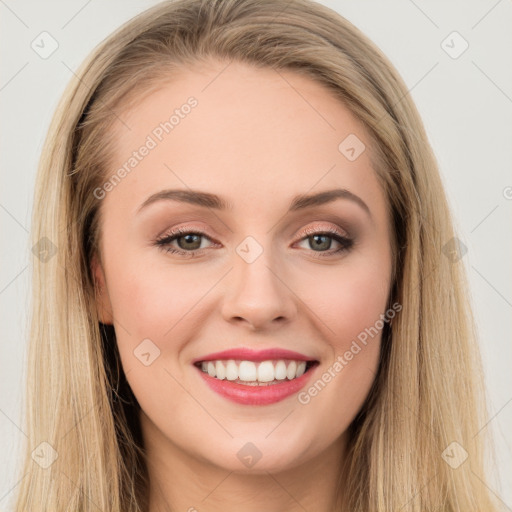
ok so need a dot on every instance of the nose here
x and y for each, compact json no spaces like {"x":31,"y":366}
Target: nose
{"x":258,"y":296}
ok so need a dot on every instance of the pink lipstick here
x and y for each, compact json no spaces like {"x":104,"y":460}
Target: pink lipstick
{"x":250,"y":377}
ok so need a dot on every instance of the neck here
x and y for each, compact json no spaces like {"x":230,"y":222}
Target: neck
{"x":181,"y":481}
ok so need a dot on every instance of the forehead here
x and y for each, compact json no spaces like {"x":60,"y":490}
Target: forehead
{"x":226,"y":126}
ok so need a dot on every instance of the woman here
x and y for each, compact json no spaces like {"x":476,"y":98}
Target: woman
{"x":250,"y":305}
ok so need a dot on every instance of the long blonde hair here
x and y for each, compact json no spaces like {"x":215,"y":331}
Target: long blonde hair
{"x":428,"y":391}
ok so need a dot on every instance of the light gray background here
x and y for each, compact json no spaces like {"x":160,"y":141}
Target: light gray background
{"x":466,"y":105}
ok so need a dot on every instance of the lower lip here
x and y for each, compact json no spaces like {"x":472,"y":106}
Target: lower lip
{"x":257,"y":395}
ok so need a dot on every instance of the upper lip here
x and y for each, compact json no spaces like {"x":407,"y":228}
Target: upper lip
{"x":248,"y":354}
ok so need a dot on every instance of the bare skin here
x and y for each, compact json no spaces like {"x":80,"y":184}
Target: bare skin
{"x":254,"y":141}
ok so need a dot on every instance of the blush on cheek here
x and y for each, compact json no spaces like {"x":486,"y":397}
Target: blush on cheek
{"x":347,"y":307}
{"x":161,"y":304}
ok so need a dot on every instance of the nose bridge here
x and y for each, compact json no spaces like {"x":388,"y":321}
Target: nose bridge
{"x":257,"y":293}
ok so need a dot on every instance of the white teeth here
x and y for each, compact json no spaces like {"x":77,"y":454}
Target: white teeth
{"x":231,"y":370}
{"x":220,"y":370}
{"x":301,"y":368}
{"x":280,"y":370}
{"x":292,"y":370}
{"x":247,"y":371}
{"x":265,"y":371}
{"x":251,"y":372}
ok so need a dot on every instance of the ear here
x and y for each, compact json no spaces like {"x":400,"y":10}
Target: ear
{"x":103,"y":305}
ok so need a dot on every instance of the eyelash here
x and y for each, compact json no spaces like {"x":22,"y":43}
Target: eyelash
{"x":164,"y":242}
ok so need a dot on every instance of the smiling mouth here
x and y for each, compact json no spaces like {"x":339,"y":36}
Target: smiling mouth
{"x":251,"y":373}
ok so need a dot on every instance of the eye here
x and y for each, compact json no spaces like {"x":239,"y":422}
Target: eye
{"x":320,"y":241}
{"x":189,"y":242}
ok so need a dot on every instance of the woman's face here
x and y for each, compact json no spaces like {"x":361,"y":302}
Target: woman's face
{"x":229,"y":155}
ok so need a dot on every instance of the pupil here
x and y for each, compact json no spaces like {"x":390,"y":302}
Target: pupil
{"x":190,"y":239}
{"x":325,"y":245}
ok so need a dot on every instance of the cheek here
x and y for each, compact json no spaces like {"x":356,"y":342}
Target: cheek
{"x":166,"y":305}
{"x":160,"y":304}
{"x":347,"y":300}
{"x":150,"y":300}
{"x":350,"y":307}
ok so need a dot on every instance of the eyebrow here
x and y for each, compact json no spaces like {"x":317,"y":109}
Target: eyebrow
{"x":214,"y":201}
